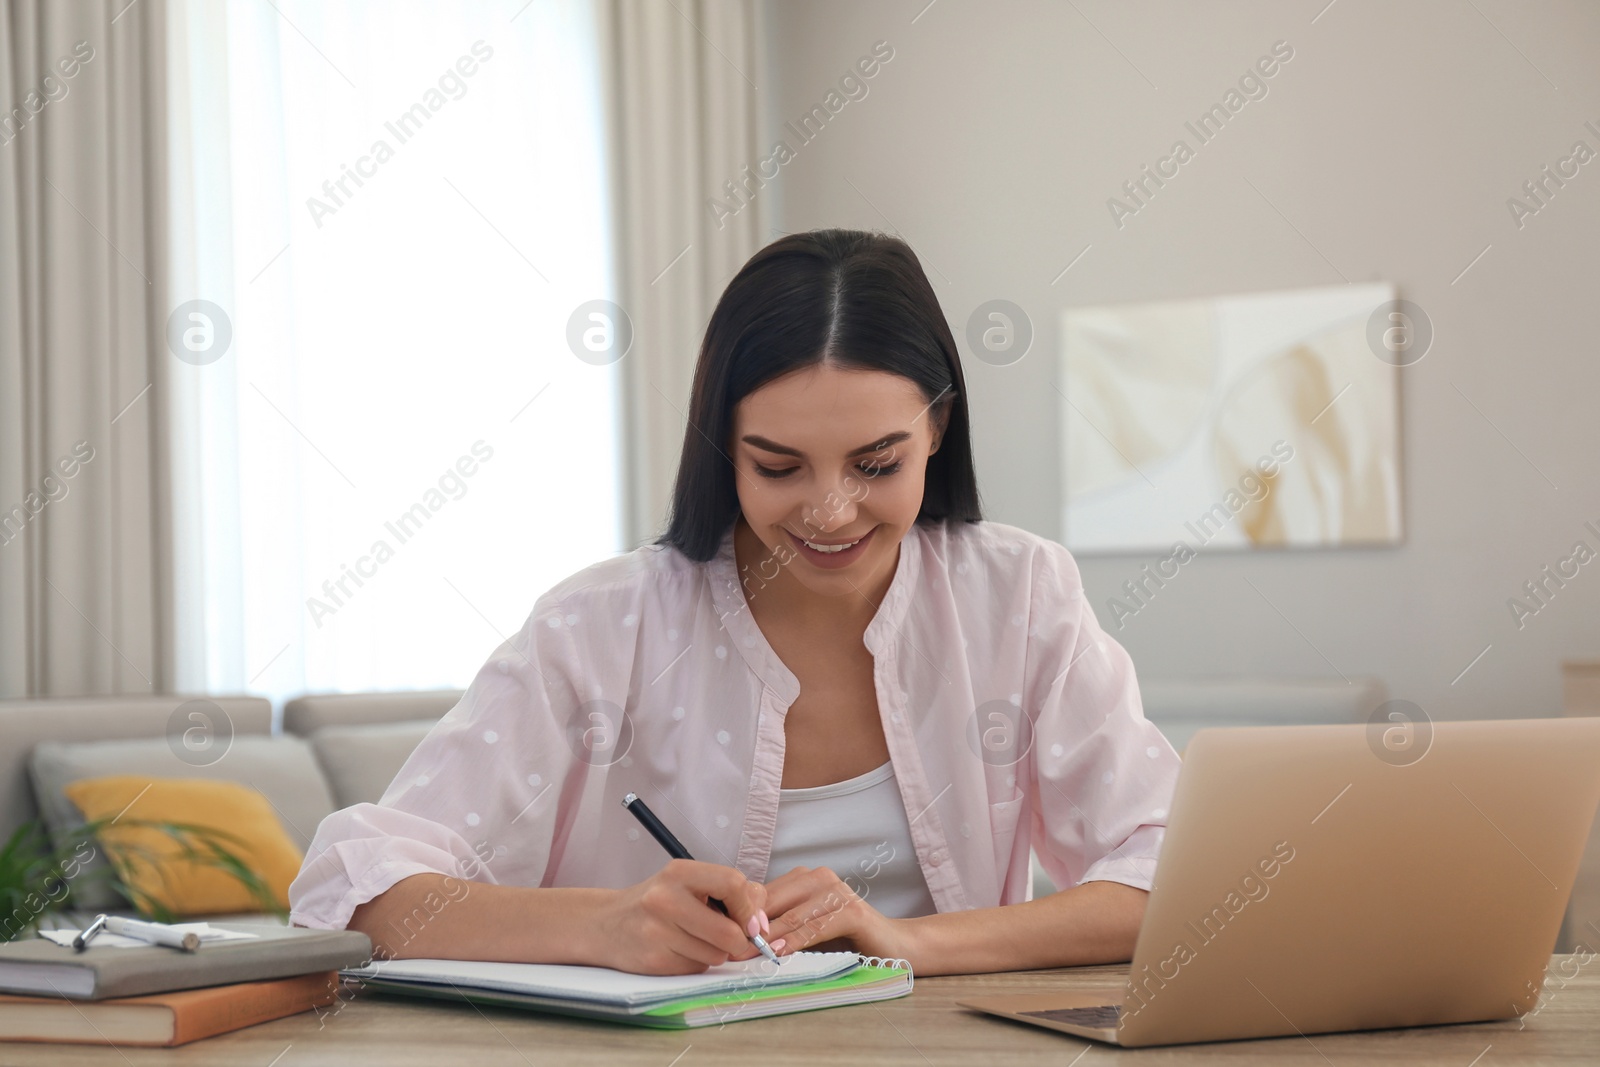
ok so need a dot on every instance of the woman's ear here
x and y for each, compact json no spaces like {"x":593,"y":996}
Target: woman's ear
{"x":941,"y":421}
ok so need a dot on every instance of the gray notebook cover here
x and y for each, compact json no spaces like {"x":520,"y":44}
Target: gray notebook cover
{"x":40,"y":967}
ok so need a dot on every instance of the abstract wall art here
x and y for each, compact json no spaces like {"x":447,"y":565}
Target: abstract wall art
{"x":1248,"y":421}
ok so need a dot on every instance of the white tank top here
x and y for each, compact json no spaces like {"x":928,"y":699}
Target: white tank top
{"x":858,"y":828}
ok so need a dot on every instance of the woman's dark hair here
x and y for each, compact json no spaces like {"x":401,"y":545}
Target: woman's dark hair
{"x":853,"y":298}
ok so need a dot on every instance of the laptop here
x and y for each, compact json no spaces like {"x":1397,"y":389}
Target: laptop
{"x":1324,"y":878}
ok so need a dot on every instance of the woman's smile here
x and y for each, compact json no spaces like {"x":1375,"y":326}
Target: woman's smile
{"x":841,"y":553}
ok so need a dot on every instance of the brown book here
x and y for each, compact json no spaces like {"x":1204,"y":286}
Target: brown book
{"x":164,"y":1019}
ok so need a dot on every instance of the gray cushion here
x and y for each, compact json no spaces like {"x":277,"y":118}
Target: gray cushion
{"x":361,"y":761}
{"x":25,"y":723}
{"x":306,"y":715}
{"x":283,"y":769}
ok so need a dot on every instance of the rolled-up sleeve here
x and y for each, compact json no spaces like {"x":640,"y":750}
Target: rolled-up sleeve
{"x":1104,"y":774}
{"x":496,"y":759}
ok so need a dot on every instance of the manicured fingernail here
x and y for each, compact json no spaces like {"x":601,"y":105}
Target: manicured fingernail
{"x":753,"y":927}
{"x":777,"y":946}
{"x":766,"y":925}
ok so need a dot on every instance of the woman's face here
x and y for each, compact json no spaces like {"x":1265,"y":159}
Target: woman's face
{"x":830,"y":456}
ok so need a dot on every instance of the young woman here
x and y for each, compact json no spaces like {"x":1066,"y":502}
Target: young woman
{"x":859,"y":705}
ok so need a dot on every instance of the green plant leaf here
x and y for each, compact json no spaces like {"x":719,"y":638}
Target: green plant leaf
{"x":32,"y":882}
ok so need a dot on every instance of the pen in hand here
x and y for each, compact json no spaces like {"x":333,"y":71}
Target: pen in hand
{"x":675,"y":849}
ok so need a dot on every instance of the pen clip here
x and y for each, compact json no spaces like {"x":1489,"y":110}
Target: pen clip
{"x":85,"y":935}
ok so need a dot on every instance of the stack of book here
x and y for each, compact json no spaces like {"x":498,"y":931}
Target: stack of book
{"x":160,"y":996}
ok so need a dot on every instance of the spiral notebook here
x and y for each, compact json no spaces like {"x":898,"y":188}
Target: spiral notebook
{"x":748,"y":989}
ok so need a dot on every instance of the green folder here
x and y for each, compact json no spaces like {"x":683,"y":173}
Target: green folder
{"x":864,"y":984}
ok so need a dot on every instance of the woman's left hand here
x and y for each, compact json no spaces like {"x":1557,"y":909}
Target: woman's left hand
{"x":809,"y":906}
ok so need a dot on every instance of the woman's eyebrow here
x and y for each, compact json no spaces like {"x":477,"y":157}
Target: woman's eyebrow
{"x":881,"y":443}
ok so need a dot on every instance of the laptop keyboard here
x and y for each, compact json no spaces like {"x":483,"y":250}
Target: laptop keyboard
{"x":1100,"y":1016}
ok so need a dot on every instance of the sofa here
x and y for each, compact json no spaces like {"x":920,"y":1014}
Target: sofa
{"x":335,"y":750}
{"x":332,"y":751}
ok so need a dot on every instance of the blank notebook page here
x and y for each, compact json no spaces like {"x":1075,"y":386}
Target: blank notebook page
{"x":603,"y":985}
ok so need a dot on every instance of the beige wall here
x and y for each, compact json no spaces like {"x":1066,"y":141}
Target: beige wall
{"x":1390,"y":144}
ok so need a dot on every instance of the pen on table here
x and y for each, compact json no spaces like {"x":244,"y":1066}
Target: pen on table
{"x":154,"y":933}
{"x":675,"y":849}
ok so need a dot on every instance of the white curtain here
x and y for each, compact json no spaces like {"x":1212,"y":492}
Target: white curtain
{"x":342,"y":350}
{"x":684,"y":80}
{"x":82,"y":368}
{"x":398,"y":208}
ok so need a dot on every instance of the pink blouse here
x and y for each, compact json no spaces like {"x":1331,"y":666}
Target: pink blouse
{"x":1004,"y":705}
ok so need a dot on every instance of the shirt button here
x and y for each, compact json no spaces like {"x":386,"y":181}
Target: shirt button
{"x":936,"y":859}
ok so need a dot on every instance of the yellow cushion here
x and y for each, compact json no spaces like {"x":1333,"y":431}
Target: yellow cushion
{"x":150,"y":859}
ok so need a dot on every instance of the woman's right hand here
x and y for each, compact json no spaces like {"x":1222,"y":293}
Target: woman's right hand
{"x":663,"y":925}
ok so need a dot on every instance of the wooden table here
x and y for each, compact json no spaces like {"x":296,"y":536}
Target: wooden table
{"x":924,"y":1028}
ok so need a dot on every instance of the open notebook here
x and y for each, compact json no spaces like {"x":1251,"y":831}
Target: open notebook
{"x":747,"y":989}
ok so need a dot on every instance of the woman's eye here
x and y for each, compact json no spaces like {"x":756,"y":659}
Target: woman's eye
{"x":871,"y":470}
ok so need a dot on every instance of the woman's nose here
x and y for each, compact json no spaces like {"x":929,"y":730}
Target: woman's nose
{"x":832,"y":506}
